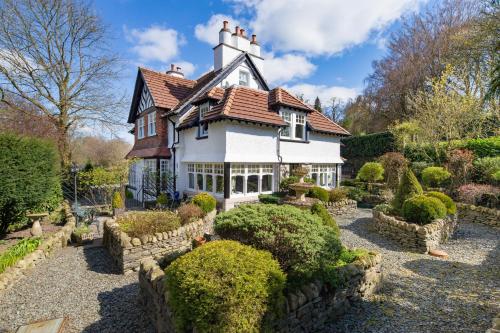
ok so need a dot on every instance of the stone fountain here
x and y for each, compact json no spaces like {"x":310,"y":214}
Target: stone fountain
{"x":300,"y":189}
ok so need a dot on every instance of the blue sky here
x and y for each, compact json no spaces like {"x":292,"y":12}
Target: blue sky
{"x":317,"y":47}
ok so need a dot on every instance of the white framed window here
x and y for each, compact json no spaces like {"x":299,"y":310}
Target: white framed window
{"x":140,"y":128}
{"x":324,"y":175}
{"x":132,"y":175}
{"x":152,"y":124}
{"x":191,"y":176}
{"x":150,"y":166}
{"x":296,"y":126}
{"x":244,"y":78}
{"x":300,"y":127}
{"x":251,"y":179}
{"x":203,"y":128}
{"x":286,"y":131}
{"x":207,"y":177}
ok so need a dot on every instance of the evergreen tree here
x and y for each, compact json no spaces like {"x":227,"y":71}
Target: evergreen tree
{"x":317,"y":105}
{"x":408,"y":187}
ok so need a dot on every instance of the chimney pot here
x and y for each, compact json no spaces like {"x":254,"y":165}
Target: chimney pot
{"x":237,"y":30}
{"x":224,"y":25}
{"x":242,"y":32}
{"x":254,"y":39}
{"x":172,"y":67}
{"x":179,"y":69}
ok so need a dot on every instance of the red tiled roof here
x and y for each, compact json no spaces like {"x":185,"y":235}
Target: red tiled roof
{"x":321,"y":123}
{"x":215,"y":93}
{"x":279,"y":96}
{"x":149,"y":152}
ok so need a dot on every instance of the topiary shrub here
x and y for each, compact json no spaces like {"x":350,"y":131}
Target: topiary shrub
{"x":451,"y":208}
{"x":422,"y":209}
{"x":371,"y":172}
{"x":205,"y":201}
{"x":299,"y":240}
{"x":117,"y":202}
{"x":319,"y":193}
{"x":337,"y":194}
{"x":328,"y":220}
{"x":189,"y":212}
{"x":418,"y":167}
{"x":408,"y":187}
{"x":435,"y":176}
{"x":224,"y":286}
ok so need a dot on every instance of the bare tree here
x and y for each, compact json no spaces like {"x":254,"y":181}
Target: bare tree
{"x":99,"y":151}
{"x":55,"y":56}
{"x":336,"y":110}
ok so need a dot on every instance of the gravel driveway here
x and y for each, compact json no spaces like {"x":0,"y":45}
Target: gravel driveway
{"x":423,"y":293}
{"x":81,"y":283}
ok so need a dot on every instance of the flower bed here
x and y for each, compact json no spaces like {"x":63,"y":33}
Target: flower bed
{"x":127,"y":252}
{"x":419,"y":238}
{"x":305,"y":310}
{"x":478,"y":214}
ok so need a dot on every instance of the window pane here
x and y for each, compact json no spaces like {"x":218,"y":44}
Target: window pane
{"x":322,"y":179}
{"x":253,"y":184}
{"x":299,"y":131}
{"x":285,"y":131}
{"x":209,"y":183}
{"x":191,"y":180}
{"x":237,"y":184}
{"x":219,"y":184}
{"x":314,"y":176}
{"x":199,"y":181}
{"x":267,"y":183}
{"x":238,"y":169}
{"x":253,"y":168}
{"x":219,"y":169}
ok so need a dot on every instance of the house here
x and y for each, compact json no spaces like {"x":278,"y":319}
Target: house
{"x":227,"y":132}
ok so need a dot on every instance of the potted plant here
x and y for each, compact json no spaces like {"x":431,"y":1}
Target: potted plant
{"x":118,"y":206}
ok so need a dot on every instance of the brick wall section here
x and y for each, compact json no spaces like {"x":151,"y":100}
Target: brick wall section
{"x":415,"y":237}
{"x":478,"y":214}
{"x":346,"y":206}
{"x":306,"y":310}
{"x":50,"y":245}
{"x":128,"y":252}
{"x":158,"y":140}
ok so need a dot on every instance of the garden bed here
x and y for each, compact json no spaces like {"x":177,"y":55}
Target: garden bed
{"x":419,"y":238}
{"x":478,"y":214}
{"x":305,"y":310}
{"x":127,"y":252}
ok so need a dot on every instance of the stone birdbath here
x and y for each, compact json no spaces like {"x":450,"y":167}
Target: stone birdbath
{"x":301,"y":188}
{"x":36,"y":228}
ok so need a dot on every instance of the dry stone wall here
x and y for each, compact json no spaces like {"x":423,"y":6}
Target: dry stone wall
{"x":346,"y":206}
{"x":50,"y":245}
{"x":306,"y":310}
{"x":418,"y":238}
{"x":478,"y":214}
{"x":128,"y":252}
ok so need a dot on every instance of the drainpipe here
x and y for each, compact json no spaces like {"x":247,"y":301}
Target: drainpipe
{"x":172,"y":148}
{"x":280,"y":158}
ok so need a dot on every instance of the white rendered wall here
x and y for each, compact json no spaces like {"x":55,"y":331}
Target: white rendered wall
{"x":250,"y":143}
{"x":233,"y":78}
{"x":320,"y":149}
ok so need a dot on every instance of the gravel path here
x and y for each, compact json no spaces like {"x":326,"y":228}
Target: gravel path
{"x":423,"y":293}
{"x":81,"y":283}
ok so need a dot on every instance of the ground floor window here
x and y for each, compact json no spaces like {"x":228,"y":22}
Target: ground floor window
{"x":250,"y":179}
{"x":132,"y":175}
{"x":206,"y":177}
{"x":324,"y":175}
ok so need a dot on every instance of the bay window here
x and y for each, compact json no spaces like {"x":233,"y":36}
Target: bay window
{"x":324,"y":175}
{"x":237,"y":178}
{"x":251,"y":179}
{"x":207,"y":177}
{"x":296,"y":126}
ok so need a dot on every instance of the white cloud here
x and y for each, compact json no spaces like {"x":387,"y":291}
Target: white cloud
{"x":209,"y":32}
{"x":155,"y":43}
{"x":322,"y":27}
{"x":324,"y":92}
{"x":286,"y":68}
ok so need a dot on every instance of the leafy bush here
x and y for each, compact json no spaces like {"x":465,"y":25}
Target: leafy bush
{"x":460,"y":165}
{"x":422,"y":209}
{"x":16,"y":252}
{"x":384,"y":208}
{"x":299,"y":240}
{"x":319,"y":193}
{"x":129,"y":194}
{"x":274,"y":198}
{"x":489,"y":147}
{"x":486,"y":168}
{"x":205,"y":201}
{"x":189,"y":212}
{"x":451,"y":208}
{"x":435,"y":176}
{"x":432,"y":154}
{"x":479,"y":194}
{"x":162,"y":199}
{"x":348,"y":256}
{"x":337,"y":194}
{"x":408,"y":187}
{"x":418,"y":167}
{"x":286,"y":182}
{"x":356,"y":193}
{"x":224,"y":286}
{"x":117,"y":200}
{"x":137,"y":224}
{"x":320,"y":210}
{"x":348,"y":182}
{"x":29,"y":178}
{"x":83,"y":229}
{"x":371,"y":172}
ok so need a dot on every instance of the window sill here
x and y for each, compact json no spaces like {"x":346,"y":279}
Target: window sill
{"x":202,"y":137}
{"x":294,"y":140}
{"x":150,"y":136}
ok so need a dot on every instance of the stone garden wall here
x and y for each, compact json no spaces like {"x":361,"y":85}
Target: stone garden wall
{"x":412,"y":236}
{"x":346,"y":206}
{"x":478,"y":214}
{"x":306,"y":310}
{"x":48,"y":246}
{"x":128,"y":252}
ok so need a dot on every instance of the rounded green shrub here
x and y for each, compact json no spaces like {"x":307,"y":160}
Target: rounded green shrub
{"x":435,"y":176}
{"x":408,"y":187}
{"x":328,"y":220}
{"x":162,"y":199}
{"x":117,"y":200}
{"x":422,"y":209}
{"x":270,"y":198}
{"x":337,"y":194}
{"x":299,"y":240}
{"x":205,"y":201}
{"x":224,"y":286}
{"x":319,"y":193}
{"x":371,"y":172}
{"x":451,"y":208}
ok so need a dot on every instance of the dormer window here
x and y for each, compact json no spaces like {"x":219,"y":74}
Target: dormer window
{"x":296,"y":126}
{"x":244,"y":78}
{"x":203,"y":127}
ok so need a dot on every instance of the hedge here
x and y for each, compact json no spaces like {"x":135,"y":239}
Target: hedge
{"x":29,"y":181}
{"x":224,"y":286}
{"x":368,"y":146}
